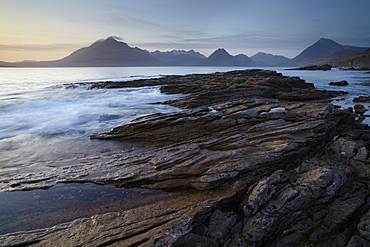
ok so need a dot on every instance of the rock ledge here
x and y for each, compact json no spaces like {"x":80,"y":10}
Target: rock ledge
{"x":263,"y":159}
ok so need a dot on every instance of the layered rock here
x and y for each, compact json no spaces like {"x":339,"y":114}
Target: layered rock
{"x":261,"y":160}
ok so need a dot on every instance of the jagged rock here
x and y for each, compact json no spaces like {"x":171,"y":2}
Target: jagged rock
{"x":255,"y":167}
{"x":339,"y":83}
{"x":359,"y":109}
{"x":364,"y":226}
{"x":220,"y":224}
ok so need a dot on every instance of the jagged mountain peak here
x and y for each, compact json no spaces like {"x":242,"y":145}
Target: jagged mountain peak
{"x":221,"y":50}
{"x":320,"y":48}
{"x":111,"y":41}
{"x":325,"y":40}
{"x":221,"y":57}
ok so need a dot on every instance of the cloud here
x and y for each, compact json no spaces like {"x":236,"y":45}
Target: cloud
{"x":245,"y":42}
{"x":129,"y":22}
{"x":46,"y":47}
{"x":247,"y":39}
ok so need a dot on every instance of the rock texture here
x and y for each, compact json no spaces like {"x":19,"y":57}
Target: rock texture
{"x":261,"y":160}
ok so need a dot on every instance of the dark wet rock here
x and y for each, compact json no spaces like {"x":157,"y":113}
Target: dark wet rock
{"x":315,"y":67}
{"x":366,"y":83}
{"x":257,"y":165}
{"x":339,"y":83}
{"x":364,"y":99}
{"x":359,"y":109}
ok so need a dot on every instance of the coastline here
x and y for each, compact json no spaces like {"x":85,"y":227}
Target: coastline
{"x":247,"y":142}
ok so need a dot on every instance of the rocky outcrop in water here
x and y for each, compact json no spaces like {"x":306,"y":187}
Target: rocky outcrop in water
{"x":324,"y":67}
{"x":261,"y":160}
{"x":363,"y":99}
{"x":339,"y":83}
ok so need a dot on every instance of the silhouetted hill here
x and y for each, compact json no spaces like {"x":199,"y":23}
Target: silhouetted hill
{"x":266,"y":59}
{"x":109,"y":53}
{"x":359,"y":60}
{"x":179,"y":57}
{"x":222,"y":58}
{"x":112,"y":52}
{"x":6,"y":64}
{"x":320,"y":49}
{"x":103,"y":53}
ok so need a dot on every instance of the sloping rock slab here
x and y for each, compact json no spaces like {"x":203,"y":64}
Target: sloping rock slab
{"x":255,"y":171}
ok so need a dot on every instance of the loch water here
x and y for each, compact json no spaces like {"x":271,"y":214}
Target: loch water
{"x":48,"y":114}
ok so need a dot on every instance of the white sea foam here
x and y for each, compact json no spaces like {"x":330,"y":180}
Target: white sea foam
{"x":80,"y":109}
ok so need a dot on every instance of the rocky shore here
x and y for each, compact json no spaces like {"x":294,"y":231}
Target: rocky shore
{"x":260,"y":159}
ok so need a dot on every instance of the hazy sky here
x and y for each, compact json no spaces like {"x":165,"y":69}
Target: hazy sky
{"x":52,"y":29}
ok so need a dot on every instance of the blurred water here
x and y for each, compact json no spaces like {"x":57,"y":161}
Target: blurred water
{"x":40,"y":118}
{"x":43,"y":122}
{"x":321,"y":80}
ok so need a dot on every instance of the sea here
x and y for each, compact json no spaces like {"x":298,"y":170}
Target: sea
{"x":48,"y":114}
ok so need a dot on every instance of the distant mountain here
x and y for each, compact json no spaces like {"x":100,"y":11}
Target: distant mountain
{"x":112,"y":52}
{"x":179,"y":57}
{"x":6,"y":64}
{"x":104,"y":53}
{"x":267,"y":59}
{"x":109,"y":53}
{"x":222,"y":58}
{"x":321,"y":48}
{"x":358,"y":60}
{"x":334,"y":57}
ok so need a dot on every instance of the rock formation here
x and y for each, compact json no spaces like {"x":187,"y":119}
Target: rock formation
{"x":260,"y":159}
{"x":339,"y":83}
{"x":324,"y":67}
{"x":363,"y":99}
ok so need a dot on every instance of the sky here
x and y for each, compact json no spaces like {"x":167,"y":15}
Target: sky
{"x":52,"y":29}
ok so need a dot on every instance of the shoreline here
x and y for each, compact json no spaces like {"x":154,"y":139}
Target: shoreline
{"x":246,"y":143}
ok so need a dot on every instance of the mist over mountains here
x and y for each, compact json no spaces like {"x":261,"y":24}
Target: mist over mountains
{"x":113,"y":52}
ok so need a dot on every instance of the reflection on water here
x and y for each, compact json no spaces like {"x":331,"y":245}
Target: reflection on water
{"x":29,"y":210}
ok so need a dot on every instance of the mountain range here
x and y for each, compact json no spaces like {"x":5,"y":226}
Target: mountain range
{"x":323,"y":51}
{"x":112,"y":52}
